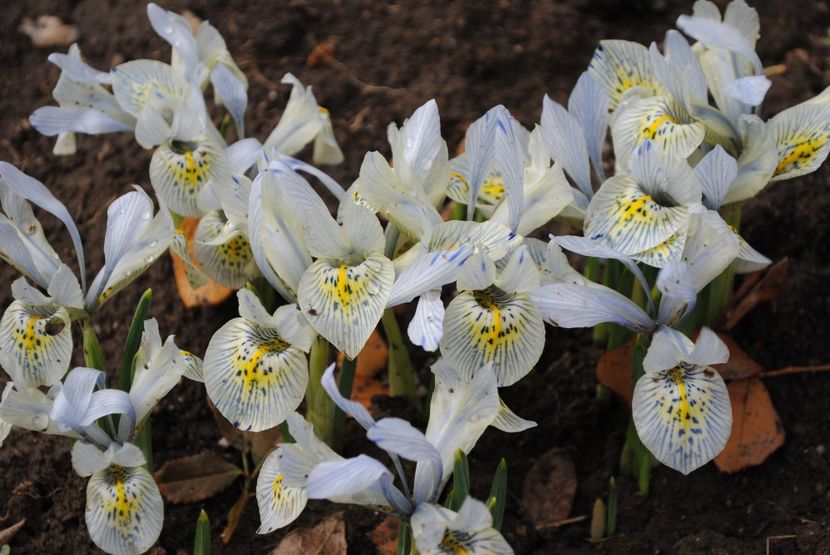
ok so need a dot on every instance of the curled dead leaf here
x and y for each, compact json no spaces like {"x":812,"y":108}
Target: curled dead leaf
{"x":370,"y":370}
{"x":757,"y":430}
{"x":48,"y":31}
{"x":209,"y":294}
{"x":614,"y":371}
{"x":549,"y":489}
{"x":195,"y":478}
{"x":327,"y":537}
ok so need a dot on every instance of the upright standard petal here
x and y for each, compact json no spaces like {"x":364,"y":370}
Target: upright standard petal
{"x":253,"y":376}
{"x":124,"y":510}
{"x":620,"y":65}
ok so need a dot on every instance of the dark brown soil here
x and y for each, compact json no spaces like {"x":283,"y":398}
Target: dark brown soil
{"x":469,"y":56}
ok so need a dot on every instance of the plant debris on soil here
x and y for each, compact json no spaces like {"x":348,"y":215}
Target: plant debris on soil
{"x":374,"y":62}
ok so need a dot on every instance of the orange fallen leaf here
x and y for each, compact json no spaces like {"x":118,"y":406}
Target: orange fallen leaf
{"x":614,"y":371}
{"x":740,"y":365}
{"x":195,"y":478}
{"x":762,"y":287}
{"x":368,"y":378}
{"x":211,"y":293}
{"x":757,"y":430}
{"x":385,"y":535}
{"x":328,"y":537}
{"x":549,"y":489}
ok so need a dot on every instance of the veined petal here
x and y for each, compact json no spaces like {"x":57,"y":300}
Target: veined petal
{"x":52,"y":120}
{"x":253,"y":376}
{"x":230,"y":262}
{"x":588,"y":104}
{"x":521,"y":274}
{"x":134,"y":239}
{"x":350,"y":480}
{"x":802,"y":134}
{"x":300,"y":121}
{"x":565,"y":139}
{"x":571,"y":305}
{"x":28,"y":408}
{"x":619,"y":65}
{"x":326,"y":150}
{"x":279,"y":504}
{"x":668,"y":348}
{"x":669,"y":250}
{"x":438,"y":531}
{"x":478,"y":272}
{"x":38,"y":343}
{"x":709,"y":349}
{"x":344,"y":303}
{"x":232,"y":93}
{"x":660,"y":120}
{"x":492,"y":326}
{"x":508,"y":421}
{"x":716,"y":34}
{"x":748,"y":260}
{"x":135,"y":83}
{"x":195,"y":277}
{"x":749,"y":90}
{"x":179,"y":170}
{"x":352,"y":408}
{"x":630,"y":220}
{"x":493,"y":239}
{"x":683,"y":415}
{"x":428,"y":272}
{"x":716,"y":173}
{"x":176,"y":30}
{"x":76,"y":69}
{"x":427,"y":325}
{"x":510,"y":157}
{"x":124,"y":510}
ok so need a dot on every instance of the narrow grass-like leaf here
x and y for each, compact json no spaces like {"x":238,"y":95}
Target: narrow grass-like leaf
{"x":142,"y":310}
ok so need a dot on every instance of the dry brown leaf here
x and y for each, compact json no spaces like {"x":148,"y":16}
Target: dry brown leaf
{"x":7,"y":534}
{"x":549,"y":489}
{"x":757,"y":430}
{"x":740,"y":365}
{"x":234,"y":515}
{"x":368,"y":375}
{"x":211,"y":293}
{"x":195,"y":478}
{"x":614,"y":371}
{"x":757,"y":289}
{"x":385,"y":535}
{"x":48,"y":31}
{"x":328,"y":537}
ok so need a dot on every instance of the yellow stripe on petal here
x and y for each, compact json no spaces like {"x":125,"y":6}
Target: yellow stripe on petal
{"x":661,"y":121}
{"x":179,"y":170}
{"x":667,"y":251}
{"x":802,"y":134}
{"x":683,"y":415}
{"x":253,"y":376}
{"x":630,"y":220}
{"x":343,"y":302}
{"x":230,"y":263}
{"x":38,"y":340}
{"x":619,"y":65}
{"x":124,"y":510}
{"x":279,"y":504}
{"x":492,"y":326}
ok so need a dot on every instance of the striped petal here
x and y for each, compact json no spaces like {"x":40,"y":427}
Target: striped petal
{"x":620,"y":65}
{"x":490,"y":238}
{"x":427,"y":325}
{"x":802,"y":134}
{"x":492,"y":326}
{"x":179,"y":170}
{"x":667,"y":251}
{"x":660,"y":120}
{"x":279,"y":504}
{"x":683,"y":415}
{"x":630,"y":220}
{"x":134,"y":84}
{"x":253,"y":376}
{"x":344,"y":303}
{"x":439,"y":531}
{"x":38,"y":343}
{"x":124,"y":510}
{"x":223,"y":252}
{"x":195,"y":277}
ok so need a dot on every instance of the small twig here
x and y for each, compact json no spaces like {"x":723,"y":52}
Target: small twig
{"x":572,"y":520}
{"x":781,"y":537}
{"x":789,"y":370}
{"x":777,"y":69}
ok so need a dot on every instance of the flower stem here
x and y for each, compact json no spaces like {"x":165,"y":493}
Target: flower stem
{"x":125,"y":370}
{"x":319,"y":407}
{"x":635,"y":459}
{"x":93,"y":358}
{"x":401,"y":373}
{"x":344,"y":385}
